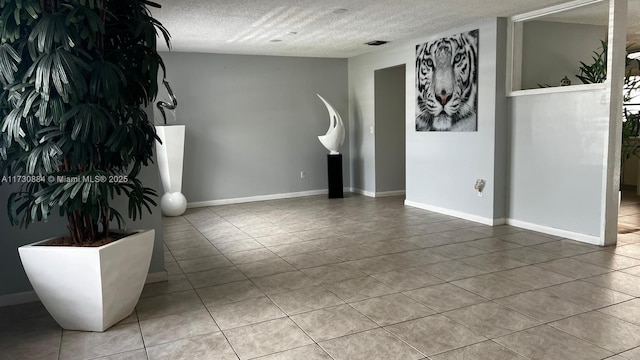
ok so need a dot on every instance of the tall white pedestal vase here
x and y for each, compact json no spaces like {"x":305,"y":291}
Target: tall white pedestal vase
{"x":170,"y":156}
{"x":89,"y":288}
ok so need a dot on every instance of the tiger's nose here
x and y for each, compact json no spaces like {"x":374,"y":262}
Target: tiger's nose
{"x":444,"y":98}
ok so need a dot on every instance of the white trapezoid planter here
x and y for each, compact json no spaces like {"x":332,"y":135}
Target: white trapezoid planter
{"x":89,"y":288}
{"x":170,"y":156}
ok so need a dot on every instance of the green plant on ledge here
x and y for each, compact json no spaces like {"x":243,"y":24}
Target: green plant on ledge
{"x":75,"y":76}
{"x":596,"y":72}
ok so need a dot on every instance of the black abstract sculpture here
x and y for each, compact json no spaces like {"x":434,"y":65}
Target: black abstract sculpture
{"x":161,"y":105}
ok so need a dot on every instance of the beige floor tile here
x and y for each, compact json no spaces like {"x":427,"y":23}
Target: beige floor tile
{"x":245,"y":312}
{"x":294,"y":248}
{"x":305,"y":299}
{"x":204,"y":263}
{"x":487,"y":350}
{"x":312,"y":259}
{"x":493,"y":244}
{"x":445,"y":297}
{"x":265,"y":268}
{"x":492,"y":286}
{"x":526,"y":238}
{"x":308,"y":352}
{"x":529,"y":255}
{"x":249,"y":256}
{"x":409,"y":279}
{"x":587,"y":295}
{"x":168,"y":304}
{"x":567,"y":248}
{"x":603,"y":330}
{"x":541,"y":305}
{"x":284,"y":282}
{"x":88,"y":345}
{"x":534,"y":277}
{"x":630,"y":250}
{"x":240,"y":245}
{"x":210,"y":346}
{"x":370,"y":345}
{"x":195,"y":252}
{"x":379,"y":264}
{"x":215,"y":277}
{"x":266,"y":338}
{"x":172,"y":267}
{"x":277,"y":239}
{"x":175,"y":283}
{"x":358,"y":288}
{"x":493,"y":262}
{"x":628,"y":311}
{"x":618,"y":281}
{"x":545,"y":342}
{"x":228,"y":293}
{"x":573,"y":268}
{"x":392,"y":309}
{"x":140,"y":354}
{"x":417,"y":258}
{"x":632,"y":270}
{"x":182,"y":245}
{"x":435,"y":334}
{"x":177,"y":326}
{"x":491,"y":320}
{"x":333,"y":322}
{"x":333,"y":272}
{"x":29,"y":338}
{"x":452,"y":270}
{"x":632,"y":354}
{"x":456,"y":251}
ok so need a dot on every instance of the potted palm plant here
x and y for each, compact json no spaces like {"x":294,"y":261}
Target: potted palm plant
{"x":76,"y":75}
{"x":596,"y":72}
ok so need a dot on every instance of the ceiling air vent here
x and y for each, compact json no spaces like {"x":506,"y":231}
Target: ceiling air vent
{"x":376,"y":42}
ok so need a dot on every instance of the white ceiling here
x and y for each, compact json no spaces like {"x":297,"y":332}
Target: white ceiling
{"x":322,"y":28}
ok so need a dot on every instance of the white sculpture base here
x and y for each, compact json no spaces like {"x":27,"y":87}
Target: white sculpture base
{"x":173,"y":204}
{"x":170,"y":160}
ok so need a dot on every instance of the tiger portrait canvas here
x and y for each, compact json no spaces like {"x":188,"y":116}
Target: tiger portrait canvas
{"x":447,"y":83}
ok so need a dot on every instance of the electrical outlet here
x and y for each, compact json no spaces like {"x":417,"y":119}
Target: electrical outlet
{"x":303,"y":175}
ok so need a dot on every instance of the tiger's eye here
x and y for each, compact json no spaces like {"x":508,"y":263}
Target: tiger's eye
{"x":429,"y":63}
{"x":457,"y":58}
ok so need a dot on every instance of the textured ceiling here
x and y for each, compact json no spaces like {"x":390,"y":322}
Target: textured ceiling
{"x":323,"y":28}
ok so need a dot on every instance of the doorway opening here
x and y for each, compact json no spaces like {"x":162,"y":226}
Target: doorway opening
{"x":390,"y":139}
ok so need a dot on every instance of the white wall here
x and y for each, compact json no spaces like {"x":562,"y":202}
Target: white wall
{"x":252,"y":123}
{"x":553,"y":50}
{"x":441,"y":167}
{"x":390,"y":129}
{"x":557,"y":151}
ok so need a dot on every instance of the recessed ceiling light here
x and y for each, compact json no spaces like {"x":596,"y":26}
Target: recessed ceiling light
{"x":340,"y":11}
{"x":634,"y":55}
{"x":376,"y":43}
{"x":275,"y":40}
{"x":292,"y":33}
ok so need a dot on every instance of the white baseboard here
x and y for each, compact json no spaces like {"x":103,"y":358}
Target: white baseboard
{"x":155,"y":277}
{"x":198,"y":204}
{"x":589,"y":239}
{"x":363,"y":192}
{"x":390,"y":193}
{"x":458,"y":214}
{"x":18,"y":298}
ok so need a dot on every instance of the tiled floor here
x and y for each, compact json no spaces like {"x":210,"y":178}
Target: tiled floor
{"x":363,"y":278}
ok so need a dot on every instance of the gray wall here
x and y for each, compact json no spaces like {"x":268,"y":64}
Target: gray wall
{"x":441,"y":168}
{"x":12,"y":277}
{"x":390,"y":128}
{"x":252,"y":122}
{"x":551,"y":50}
